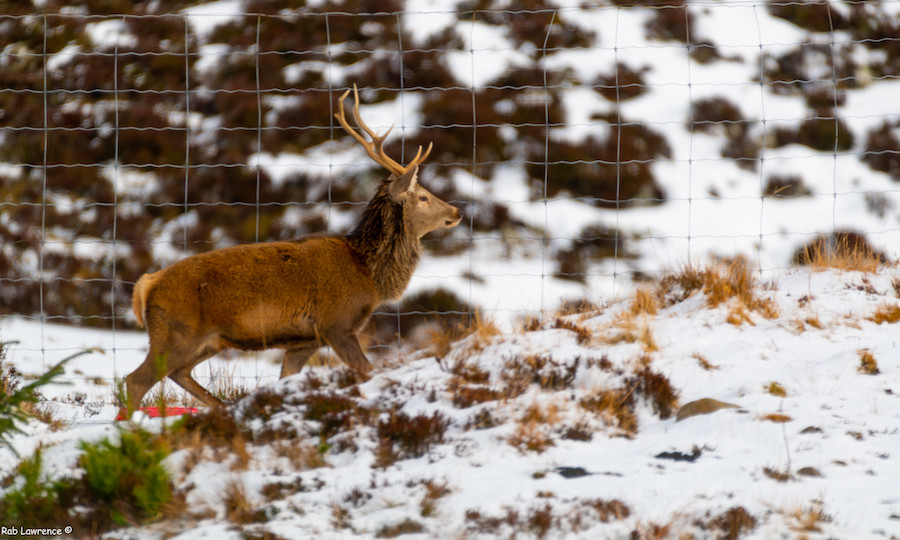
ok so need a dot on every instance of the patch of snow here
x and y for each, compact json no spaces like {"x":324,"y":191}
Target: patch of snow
{"x":204,"y":18}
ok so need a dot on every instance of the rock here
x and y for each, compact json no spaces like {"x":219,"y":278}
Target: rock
{"x":702,"y":406}
{"x":809,"y":471}
{"x":681,"y":456}
{"x":572,"y":472}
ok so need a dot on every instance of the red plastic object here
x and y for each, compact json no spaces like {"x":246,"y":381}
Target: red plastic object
{"x":154,"y":412}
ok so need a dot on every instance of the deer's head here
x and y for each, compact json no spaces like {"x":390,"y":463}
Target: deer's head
{"x":422,"y":211}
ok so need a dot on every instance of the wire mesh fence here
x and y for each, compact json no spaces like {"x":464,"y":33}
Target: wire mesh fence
{"x":588,"y":145}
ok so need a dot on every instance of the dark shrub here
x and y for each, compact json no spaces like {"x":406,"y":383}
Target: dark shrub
{"x":811,"y":15}
{"x":781,"y":186}
{"x":623,"y":84}
{"x":611,"y":172}
{"x":882,"y":151}
{"x":828,"y":134}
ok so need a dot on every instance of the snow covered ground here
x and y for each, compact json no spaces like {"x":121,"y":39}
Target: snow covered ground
{"x":809,"y":450}
{"x":580,"y":449}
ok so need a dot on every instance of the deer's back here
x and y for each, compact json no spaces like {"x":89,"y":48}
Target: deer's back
{"x":257,"y":292}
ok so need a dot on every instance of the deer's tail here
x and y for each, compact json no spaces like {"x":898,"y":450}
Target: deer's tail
{"x":139,"y":297}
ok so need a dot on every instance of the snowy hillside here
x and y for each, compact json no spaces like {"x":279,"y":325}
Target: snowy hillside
{"x":576,"y":426}
{"x":639,"y":181}
{"x":588,"y":144}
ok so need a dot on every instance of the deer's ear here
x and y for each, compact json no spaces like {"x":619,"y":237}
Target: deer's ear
{"x":405,"y":183}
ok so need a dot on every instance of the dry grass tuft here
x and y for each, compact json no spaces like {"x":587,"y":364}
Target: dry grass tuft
{"x":886,"y":313}
{"x":44,"y":413}
{"x":470,"y":385}
{"x":776,"y":389}
{"x":617,"y":406}
{"x":441,"y":339}
{"x":677,"y":287}
{"x":468,"y":372}
{"x":542,"y":520}
{"x":657,"y":388}
{"x":867,"y":363}
{"x":280,"y":490}
{"x":578,"y":307}
{"x":807,"y":519}
{"x":614,"y":406}
{"x":226,"y":385}
{"x":803,"y":324}
{"x":721,"y":283}
{"x":302,"y":456}
{"x":653,"y":531}
{"x":238,"y":507}
{"x":434,"y":490}
{"x":530,"y":437}
{"x":465,"y":396}
{"x":263,"y":404}
{"x":402,"y":436}
{"x":843,"y":250}
{"x":582,"y":334}
{"x":532,"y":324}
{"x":541,"y":369}
{"x":704,"y":363}
{"x":627,"y":329}
{"x":407,"y":526}
{"x":335,"y":412}
{"x":532,"y":433}
{"x":644,"y":303}
{"x":483,"y":419}
{"x":778,"y":475}
{"x":814,"y":322}
{"x":608,"y":510}
{"x":778,"y":418}
{"x":733,"y":523}
{"x":735,"y":281}
{"x":165,"y":394}
{"x":483,"y":328}
{"x":216,"y":428}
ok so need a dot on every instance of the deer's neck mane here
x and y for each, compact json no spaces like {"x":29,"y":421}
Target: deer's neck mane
{"x":386,"y":245}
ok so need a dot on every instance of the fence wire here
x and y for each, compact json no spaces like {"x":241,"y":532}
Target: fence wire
{"x":589,"y":146}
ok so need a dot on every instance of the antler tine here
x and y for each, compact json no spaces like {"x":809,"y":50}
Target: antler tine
{"x":375,"y":149}
{"x":417,"y":160}
{"x":370,"y":147}
{"x":377,"y":141}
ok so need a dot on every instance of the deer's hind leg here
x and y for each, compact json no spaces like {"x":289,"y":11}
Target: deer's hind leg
{"x":139,"y":381}
{"x":174,"y":359}
{"x":182,"y":375}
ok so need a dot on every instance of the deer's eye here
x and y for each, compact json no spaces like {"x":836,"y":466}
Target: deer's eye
{"x":423,"y":198}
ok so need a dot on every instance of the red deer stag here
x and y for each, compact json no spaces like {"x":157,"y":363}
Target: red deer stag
{"x":293,"y":295}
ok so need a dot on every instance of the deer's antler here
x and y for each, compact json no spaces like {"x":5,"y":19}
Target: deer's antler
{"x":375,"y":148}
